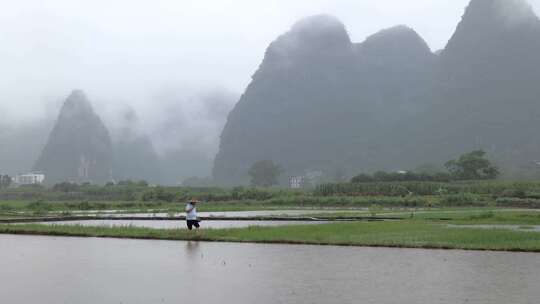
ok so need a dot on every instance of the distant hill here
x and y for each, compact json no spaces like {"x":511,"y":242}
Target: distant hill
{"x":487,"y":94}
{"x":79,"y":148}
{"x":319,"y":102}
{"x":135,"y":159}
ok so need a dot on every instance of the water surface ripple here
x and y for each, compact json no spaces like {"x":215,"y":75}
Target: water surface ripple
{"x":39,"y":269}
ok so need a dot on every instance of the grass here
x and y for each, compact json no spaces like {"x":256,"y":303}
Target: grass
{"x":419,"y":206}
{"x":8,"y":217}
{"x":466,"y":216}
{"x":403,"y":234}
{"x":500,"y":218}
{"x":30,"y":206}
{"x":424,"y":229}
{"x":12,"y":215}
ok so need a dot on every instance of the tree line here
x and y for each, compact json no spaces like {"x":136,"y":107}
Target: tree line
{"x":469,"y":166}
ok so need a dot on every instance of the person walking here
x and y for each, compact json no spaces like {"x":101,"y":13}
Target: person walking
{"x":191,"y":214}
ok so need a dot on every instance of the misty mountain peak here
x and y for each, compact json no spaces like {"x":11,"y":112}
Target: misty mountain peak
{"x":318,"y":35}
{"x":399,"y":41}
{"x":504,"y":30}
{"x":485,"y":14}
{"x":79,"y":146}
{"x":76,"y":104}
{"x":320,"y":26}
{"x":321,"y":31}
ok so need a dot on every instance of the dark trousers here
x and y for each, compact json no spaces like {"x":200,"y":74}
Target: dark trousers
{"x":191,"y":223}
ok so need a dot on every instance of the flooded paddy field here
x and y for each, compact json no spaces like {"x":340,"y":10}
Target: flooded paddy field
{"x":299,"y":212}
{"x":178,"y":224}
{"x":40,"y":269}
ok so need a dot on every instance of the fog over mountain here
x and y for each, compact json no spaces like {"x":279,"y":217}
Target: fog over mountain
{"x":321,"y":103}
{"x":134,"y":154}
{"x":79,"y":148}
{"x":163,"y":78}
{"x":164,"y":144}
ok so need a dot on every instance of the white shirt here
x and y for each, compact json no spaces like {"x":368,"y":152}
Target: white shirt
{"x":191,"y":215}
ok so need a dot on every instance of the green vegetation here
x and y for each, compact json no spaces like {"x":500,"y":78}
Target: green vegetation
{"x":381,"y":176}
{"x":484,"y":216}
{"x":29,"y":208}
{"x":468,"y":167}
{"x":140,"y":192}
{"x":410,"y":234}
{"x":140,"y":198}
{"x":264,"y":173}
{"x":461,"y":193}
{"x":414,"y":228}
{"x":376,"y":196}
{"x":472,"y":166}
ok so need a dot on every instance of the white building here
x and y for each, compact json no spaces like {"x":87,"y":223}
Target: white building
{"x":296,"y":182}
{"x":34,"y":178}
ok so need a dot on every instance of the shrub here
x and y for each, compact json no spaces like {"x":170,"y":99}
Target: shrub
{"x":362,"y":178}
{"x":461,"y":199}
{"x":158,"y":194}
{"x":381,"y":176}
{"x":483,"y":216}
{"x":6,"y":208}
{"x":84,"y":205}
{"x":39,"y":205}
{"x":66,"y":187}
{"x":519,"y":193}
{"x":374,"y":209}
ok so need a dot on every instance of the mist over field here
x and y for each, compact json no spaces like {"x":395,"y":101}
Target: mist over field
{"x":291,"y":151}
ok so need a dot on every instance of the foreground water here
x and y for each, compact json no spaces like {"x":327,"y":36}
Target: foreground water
{"x":75,"y":270}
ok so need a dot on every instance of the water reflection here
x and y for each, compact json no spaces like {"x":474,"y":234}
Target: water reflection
{"x":193,"y":250}
{"x":76,"y":270}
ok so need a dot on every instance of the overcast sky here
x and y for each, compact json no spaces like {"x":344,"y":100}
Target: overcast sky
{"x":128,"y":51}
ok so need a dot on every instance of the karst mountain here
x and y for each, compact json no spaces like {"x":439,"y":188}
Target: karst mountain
{"x":320,"y":102}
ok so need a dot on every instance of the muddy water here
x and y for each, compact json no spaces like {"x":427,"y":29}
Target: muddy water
{"x":180,"y":224}
{"x":74,"y":270}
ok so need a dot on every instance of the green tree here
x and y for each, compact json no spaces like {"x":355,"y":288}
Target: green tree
{"x":362,"y":178}
{"x":472,"y":166}
{"x":66,"y":187}
{"x":264,"y":173}
{"x":382,"y":176}
{"x":142,"y":183}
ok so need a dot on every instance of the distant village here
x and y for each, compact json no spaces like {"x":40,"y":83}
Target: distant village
{"x":38,"y":178}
